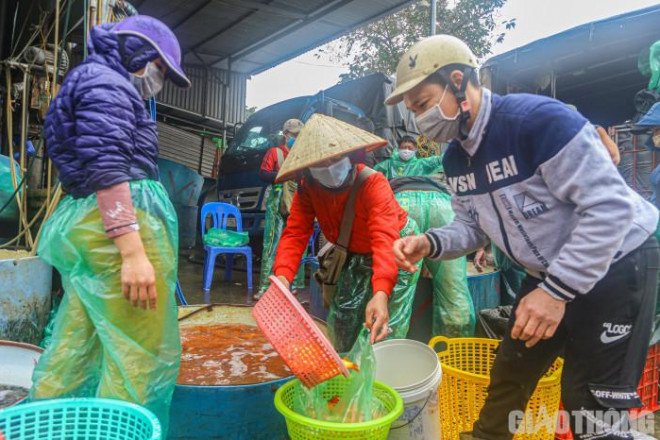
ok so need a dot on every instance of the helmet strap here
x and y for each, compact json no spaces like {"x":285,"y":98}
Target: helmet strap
{"x":463,"y":104}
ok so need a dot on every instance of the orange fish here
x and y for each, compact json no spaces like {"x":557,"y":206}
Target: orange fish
{"x":350,"y":365}
{"x":333,"y":402}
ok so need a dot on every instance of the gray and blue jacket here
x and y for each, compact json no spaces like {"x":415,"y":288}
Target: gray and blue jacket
{"x":534,"y":178}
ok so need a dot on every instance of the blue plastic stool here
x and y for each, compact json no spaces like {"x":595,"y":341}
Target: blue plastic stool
{"x":179,"y":294}
{"x":220,"y":212}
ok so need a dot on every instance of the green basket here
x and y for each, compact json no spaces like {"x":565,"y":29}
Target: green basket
{"x":79,"y":419}
{"x":305,"y":428}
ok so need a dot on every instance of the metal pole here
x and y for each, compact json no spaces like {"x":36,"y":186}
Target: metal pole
{"x":434,"y":13}
{"x":85,"y":28}
{"x":225,"y":101}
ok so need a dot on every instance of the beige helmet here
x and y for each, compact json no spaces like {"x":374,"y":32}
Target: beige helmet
{"x":425,"y":58}
{"x":292,"y":126}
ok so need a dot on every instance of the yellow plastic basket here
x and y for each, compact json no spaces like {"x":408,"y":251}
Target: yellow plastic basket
{"x":466,"y":365}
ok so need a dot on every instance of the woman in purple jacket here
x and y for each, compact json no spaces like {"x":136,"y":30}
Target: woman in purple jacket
{"x":114,"y":237}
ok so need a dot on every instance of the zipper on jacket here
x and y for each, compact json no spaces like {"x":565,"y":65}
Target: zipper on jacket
{"x":505,"y":238}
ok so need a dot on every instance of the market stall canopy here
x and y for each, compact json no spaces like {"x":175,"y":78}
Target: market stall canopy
{"x":593,"y":66}
{"x":255,"y":35}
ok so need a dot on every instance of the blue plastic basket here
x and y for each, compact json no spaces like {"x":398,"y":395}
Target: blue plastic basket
{"x":79,"y":419}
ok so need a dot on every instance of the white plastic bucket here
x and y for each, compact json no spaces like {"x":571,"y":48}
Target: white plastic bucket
{"x":414,"y":371}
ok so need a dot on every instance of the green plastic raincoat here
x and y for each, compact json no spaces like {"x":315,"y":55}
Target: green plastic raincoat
{"x":101,"y":345}
{"x":453,"y":310}
{"x":273,"y":228}
{"x":354,"y":290}
{"x":395,"y":167}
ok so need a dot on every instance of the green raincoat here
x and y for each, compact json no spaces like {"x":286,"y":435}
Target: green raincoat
{"x":395,"y":167}
{"x":453,"y":310}
{"x":101,"y":345}
{"x":354,"y":290}
{"x":273,"y":228}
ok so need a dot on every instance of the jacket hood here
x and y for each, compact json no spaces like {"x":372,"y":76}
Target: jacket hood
{"x":103,"y":46}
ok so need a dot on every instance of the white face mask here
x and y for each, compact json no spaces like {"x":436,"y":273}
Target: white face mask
{"x":332,"y":176}
{"x":406,"y":155}
{"x":150,"y":82}
{"x":435,"y":125}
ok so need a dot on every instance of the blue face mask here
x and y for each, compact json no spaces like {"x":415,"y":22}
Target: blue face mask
{"x":290,"y":142}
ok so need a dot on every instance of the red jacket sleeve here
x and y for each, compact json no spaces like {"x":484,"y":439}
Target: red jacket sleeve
{"x":299,"y":227}
{"x":270,"y":161}
{"x":383,"y":213}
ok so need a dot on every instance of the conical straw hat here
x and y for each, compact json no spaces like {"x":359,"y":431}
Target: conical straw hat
{"x":323,"y":138}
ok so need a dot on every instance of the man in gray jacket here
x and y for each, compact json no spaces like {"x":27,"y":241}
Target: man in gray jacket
{"x":532,"y":177}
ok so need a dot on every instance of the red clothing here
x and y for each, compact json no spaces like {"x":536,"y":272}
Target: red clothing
{"x":378,"y":223}
{"x":269,"y":163}
{"x":116,"y":206}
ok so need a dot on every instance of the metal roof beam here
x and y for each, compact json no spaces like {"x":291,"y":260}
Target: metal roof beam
{"x":241,"y":19}
{"x":285,"y":11}
{"x":192,"y":14}
{"x":218,"y":33}
{"x":326,"y":40}
{"x":314,"y":16}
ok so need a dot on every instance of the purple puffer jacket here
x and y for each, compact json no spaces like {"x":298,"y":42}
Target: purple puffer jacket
{"x":98,"y":132}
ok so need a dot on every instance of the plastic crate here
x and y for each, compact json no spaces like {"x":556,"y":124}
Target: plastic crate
{"x":648,"y":386}
{"x":647,"y":390}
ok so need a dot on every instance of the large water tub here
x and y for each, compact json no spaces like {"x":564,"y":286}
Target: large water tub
{"x":17,"y":362}
{"x":226,"y":412}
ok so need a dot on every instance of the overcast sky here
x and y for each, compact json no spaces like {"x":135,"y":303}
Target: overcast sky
{"x":306,"y":75}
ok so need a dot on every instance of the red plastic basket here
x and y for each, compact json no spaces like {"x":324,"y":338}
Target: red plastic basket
{"x":563,"y":426}
{"x":648,"y":386}
{"x":292,"y":332}
{"x":647,"y":390}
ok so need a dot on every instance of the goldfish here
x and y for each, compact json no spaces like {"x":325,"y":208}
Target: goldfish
{"x":333,"y":402}
{"x":350,"y":365}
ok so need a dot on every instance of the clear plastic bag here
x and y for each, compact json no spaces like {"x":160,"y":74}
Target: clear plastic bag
{"x":346,"y":400}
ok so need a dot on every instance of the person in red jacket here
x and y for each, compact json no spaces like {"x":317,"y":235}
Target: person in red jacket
{"x":371,"y":289}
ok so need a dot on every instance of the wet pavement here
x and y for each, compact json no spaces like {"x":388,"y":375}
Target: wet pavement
{"x":191,"y":269}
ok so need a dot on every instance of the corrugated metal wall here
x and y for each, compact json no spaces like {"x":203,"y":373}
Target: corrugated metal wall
{"x":186,"y":148}
{"x":205,"y":95}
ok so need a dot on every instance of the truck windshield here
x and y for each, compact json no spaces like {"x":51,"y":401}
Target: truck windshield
{"x":251,"y":138}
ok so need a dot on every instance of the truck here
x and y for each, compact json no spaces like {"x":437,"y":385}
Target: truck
{"x":353,"y":102}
